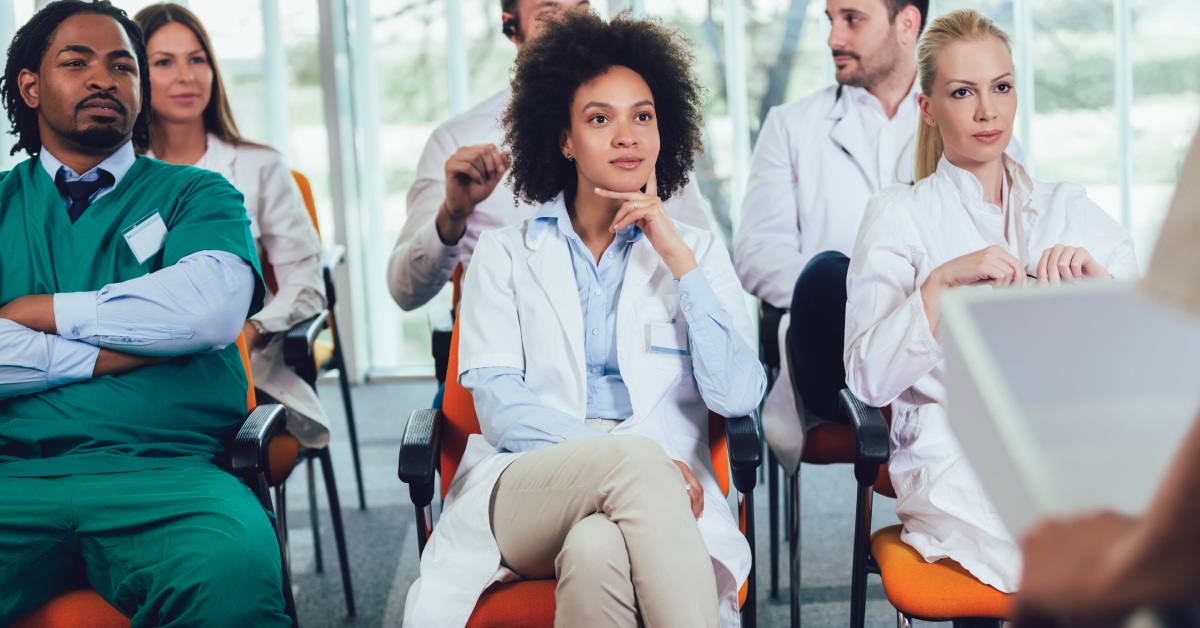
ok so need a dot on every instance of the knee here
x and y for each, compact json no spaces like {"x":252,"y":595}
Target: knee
{"x":239,"y":580}
{"x":639,"y":461}
{"x":595,"y":544}
{"x":824,"y":273}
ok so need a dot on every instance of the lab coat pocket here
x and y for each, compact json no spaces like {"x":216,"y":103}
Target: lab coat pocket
{"x":664,"y":334}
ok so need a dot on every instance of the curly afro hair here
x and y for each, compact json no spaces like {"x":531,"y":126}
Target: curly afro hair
{"x":574,"y":50}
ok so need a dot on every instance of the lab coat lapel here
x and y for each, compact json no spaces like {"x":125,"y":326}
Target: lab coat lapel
{"x":551,"y":265}
{"x":847,"y":133}
{"x":646,"y":388}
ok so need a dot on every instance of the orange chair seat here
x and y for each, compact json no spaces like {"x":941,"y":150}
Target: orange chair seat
{"x":932,"y":591}
{"x":522,"y":604}
{"x":829,"y":443}
{"x":83,"y":607}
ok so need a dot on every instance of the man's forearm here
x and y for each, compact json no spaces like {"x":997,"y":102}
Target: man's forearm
{"x":35,"y":311}
{"x":112,"y":362}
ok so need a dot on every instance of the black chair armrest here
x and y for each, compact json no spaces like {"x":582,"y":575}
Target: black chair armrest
{"x":745,"y":450}
{"x":331,"y":258}
{"x":250,"y":446}
{"x":441,"y":329}
{"x":298,"y":341}
{"x":420,"y":448}
{"x":769,"y":318}
{"x":871,"y":437}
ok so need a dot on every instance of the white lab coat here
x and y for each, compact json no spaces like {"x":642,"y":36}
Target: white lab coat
{"x":526,"y":283}
{"x":816,"y":164}
{"x":893,"y":357}
{"x":421,"y":264}
{"x":284,"y":235}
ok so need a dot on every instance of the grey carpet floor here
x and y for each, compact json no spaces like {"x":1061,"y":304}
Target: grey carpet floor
{"x":381,"y":540}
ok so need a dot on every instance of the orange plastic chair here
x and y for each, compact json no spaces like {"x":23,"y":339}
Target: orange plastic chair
{"x":85,"y":607}
{"x":434,"y":442}
{"x":940,"y":591}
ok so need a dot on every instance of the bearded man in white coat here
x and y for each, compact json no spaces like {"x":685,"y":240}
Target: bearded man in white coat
{"x":457,"y":193}
{"x":817,"y":162}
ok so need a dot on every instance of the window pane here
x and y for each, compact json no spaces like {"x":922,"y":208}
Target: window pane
{"x":1166,"y":85}
{"x":409,"y":44}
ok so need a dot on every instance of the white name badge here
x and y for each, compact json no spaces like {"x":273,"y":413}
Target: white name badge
{"x":669,"y":338}
{"x":145,"y":237}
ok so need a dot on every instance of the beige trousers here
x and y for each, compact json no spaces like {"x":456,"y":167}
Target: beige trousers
{"x":610,"y":519}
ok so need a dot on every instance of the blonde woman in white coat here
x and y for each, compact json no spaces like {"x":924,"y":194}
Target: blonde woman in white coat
{"x":193,"y":124}
{"x":595,"y":338}
{"x":974,"y":218}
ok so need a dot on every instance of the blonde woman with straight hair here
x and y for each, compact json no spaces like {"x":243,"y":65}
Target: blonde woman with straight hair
{"x":974,"y":218}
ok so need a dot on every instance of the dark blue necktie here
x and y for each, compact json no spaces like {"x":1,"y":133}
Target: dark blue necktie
{"x":80,"y":192}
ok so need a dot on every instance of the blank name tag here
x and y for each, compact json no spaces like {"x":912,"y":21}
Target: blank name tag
{"x":669,"y":338}
{"x":145,"y":237}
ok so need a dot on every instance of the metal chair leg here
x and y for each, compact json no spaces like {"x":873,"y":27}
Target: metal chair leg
{"x":902,"y":620}
{"x":862,"y":562}
{"x":773,"y":509}
{"x":750,"y":610}
{"x":314,"y":519}
{"x":344,"y":382}
{"x":339,"y":534}
{"x":794,"y":584}
{"x":281,"y":516}
{"x":289,"y":602}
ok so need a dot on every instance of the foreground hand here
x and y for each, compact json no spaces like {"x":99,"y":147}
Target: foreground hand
{"x":646,"y":211}
{"x":694,"y":490}
{"x":35,"y":311}
{"x":1061,"y":263}
{"x":1072,"y":568}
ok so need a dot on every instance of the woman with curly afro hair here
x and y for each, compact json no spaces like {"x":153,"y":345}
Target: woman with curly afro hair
{"x":595,"y":339}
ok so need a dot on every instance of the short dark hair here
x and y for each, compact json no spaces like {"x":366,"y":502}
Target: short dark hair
{"x":507,"y":6}
{"x":574,"y":49}
{"x":28,"y":48}
{"x":895,"y":6}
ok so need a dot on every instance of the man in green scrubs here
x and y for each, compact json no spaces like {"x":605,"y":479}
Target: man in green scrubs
{"x":124,"y":282}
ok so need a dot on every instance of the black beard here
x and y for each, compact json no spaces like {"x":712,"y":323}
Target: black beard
{"x":99,"y":138}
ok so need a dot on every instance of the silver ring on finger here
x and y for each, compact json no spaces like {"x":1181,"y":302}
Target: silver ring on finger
{"x":635,"y":205}
{"x":687,"y":488}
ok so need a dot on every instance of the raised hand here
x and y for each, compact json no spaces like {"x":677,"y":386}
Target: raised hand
{"x":645,"y":210}
{"x":472,"y":174}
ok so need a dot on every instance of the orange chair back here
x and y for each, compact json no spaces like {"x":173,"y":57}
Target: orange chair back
{"x":459,"y":411}
{"x":251,"y":402}
{"x":456,"y":279}
{"x":309,"y":202}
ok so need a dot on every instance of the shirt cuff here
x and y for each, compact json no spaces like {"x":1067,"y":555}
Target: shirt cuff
{"x":70,"y":361}
{"x":75,"y":314}
{"x":696,"y":296}
{"x":447,"y":255}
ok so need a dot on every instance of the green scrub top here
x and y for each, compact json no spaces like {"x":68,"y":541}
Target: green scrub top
{"x":178,"y":413}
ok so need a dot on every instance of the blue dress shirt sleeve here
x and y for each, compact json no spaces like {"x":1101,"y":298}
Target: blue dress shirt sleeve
{"x":726,"y":368}
{"x":33,"y":361}
{"x":198,"y":304}
{"x":512,"y":418}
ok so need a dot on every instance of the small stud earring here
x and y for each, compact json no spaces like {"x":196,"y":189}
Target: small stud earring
{"x":570,"y":157}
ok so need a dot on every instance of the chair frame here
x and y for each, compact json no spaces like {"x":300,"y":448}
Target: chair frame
{"x":872,"y":449}
{"x":298,"y":351}
{"x":420,"y":455}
